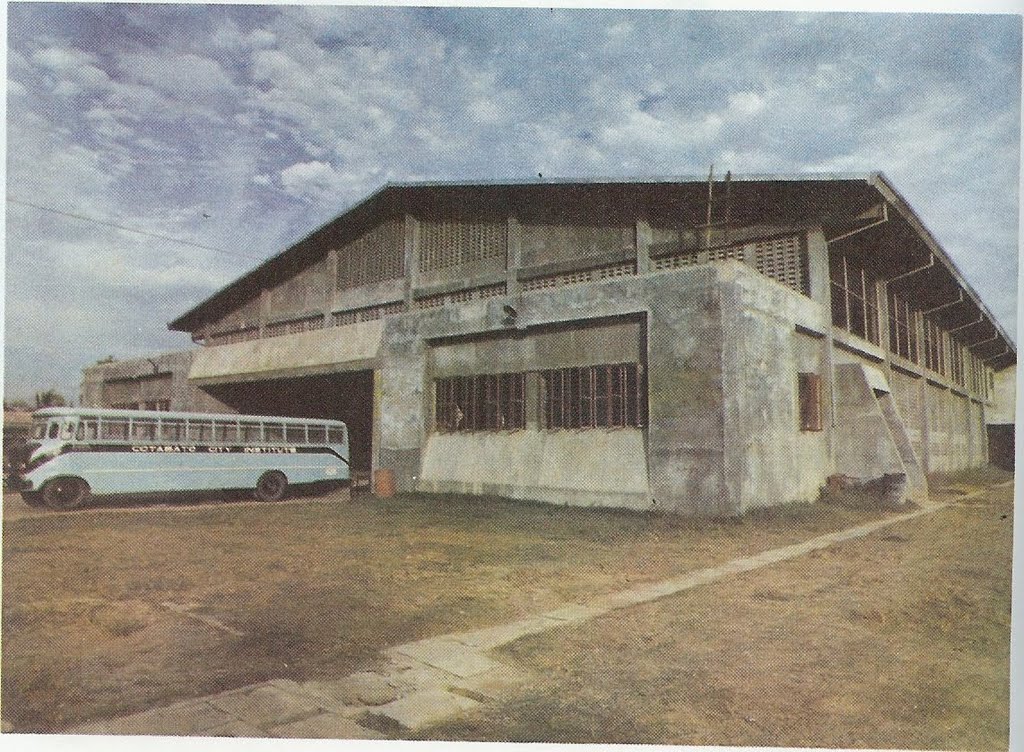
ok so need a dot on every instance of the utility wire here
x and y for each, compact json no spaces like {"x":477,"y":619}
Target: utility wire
{"x":85,"y":218}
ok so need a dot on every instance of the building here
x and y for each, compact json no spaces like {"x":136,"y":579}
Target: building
{"x":1000,"y":416}
{"x":683,"y":345}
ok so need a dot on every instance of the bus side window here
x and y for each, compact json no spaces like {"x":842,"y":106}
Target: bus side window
{"x":335,"y":435}
{"x":273,"y":432}
{"x":295,"y":434}
{"x":54,"y":429}
{"x":172,"y":430}
{"x":251,"y":433}
{"x":317,"y":434}
{"x":225,"y":433}
{"x":143,"y":429}
{"x":114,"y":429}
{"x":87,"y":430}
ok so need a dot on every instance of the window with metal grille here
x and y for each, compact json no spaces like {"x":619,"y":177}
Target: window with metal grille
{"x":487,"y":402}
{"x":605,"y":396}
{"x":854,"y":298}
{"x":903,"y":330}
{"x":809,"y":391}
{"x":374,"y":257}
{"x":448,"y":243}
{"x":956,"y":362}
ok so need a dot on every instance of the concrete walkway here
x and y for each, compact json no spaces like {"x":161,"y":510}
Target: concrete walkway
{"x":423,"y":682}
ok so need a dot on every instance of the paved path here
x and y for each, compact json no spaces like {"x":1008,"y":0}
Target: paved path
{"x":426,"y":681}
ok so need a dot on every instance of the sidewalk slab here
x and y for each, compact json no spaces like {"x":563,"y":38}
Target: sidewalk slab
{"x":423,"y":708}
{"x":447,"y":655}
{"x":238,"y":729}
{"x":267,"y":706}
{"x":325,"y":726}
{"x":492,"y":637}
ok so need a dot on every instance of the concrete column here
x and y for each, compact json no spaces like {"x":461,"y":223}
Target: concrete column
{"x":817,"y":268}
{"x":412,"y":255}
{"x":264,"y":310}
{"x":926,"y":445}
{"x":514,"y":257}
{"x":882,"y":296}
{"x":642,"y":242}
{"x":330,"y":284}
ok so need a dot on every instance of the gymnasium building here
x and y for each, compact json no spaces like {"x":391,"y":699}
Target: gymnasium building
{"x":698,"y":346}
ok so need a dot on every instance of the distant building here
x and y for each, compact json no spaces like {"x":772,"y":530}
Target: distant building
{"x":603,"y":343}
{"x":1001,"y":418}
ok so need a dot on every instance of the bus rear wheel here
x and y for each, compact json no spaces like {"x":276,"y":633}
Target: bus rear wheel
{"x":271,"y":486}
{"x":65,"y":493}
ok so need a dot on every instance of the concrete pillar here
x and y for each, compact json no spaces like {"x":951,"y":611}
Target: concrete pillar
{"x":264,"y":310}
{"x":926,"y":444}
{"x":412,"y":255}
{"x":514,"y":258}
{"x":817,"y":268}
{"x":643,"y":238}
{"x":534,"y":400}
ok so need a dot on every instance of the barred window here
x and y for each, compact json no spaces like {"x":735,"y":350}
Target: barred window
{"x":854,"y":298}
{"x":903,"y":329}
{"x":488,"y":402}
{"x":605,"y":396}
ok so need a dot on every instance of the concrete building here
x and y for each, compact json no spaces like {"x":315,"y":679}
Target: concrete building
{"x":660,"y":344}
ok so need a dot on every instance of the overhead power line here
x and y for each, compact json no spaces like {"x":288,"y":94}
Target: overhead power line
{"x":104,"y":223}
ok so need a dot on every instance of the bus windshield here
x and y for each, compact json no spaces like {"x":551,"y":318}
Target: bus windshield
{"x":38,"y":429}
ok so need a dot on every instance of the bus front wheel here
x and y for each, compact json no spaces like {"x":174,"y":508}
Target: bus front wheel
{"x":65,"y":493}
{"x":271,"y":486}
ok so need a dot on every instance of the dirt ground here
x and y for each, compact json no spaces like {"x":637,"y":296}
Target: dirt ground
{"x":310,"y":588}
{"x":898,"y":640}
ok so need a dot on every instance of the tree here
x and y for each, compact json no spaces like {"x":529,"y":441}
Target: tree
{"x":50,"y":398}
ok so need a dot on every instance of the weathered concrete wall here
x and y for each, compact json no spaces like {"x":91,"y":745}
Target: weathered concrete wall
{"x":591,"y":468}
{"x":305,"y":292}
{"x":133,"y":382}
{"x":246,"y":313}
{"x":1004,"y":398}
{"x":546,"y":244}
{"x":768,"y":458}
{"x":864,"y":445}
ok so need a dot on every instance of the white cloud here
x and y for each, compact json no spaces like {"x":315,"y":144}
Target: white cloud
{"x":746,"y":103}
{"x":311,"y":180}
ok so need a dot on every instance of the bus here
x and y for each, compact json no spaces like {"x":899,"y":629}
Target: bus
{"x":75,"y":454}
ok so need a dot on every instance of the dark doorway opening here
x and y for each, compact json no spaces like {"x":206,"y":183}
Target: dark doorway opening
{"x":336,"y":396}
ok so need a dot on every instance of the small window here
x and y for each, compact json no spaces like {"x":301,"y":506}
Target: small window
{"x":252,"y":433}
{"x":335,"y":435}
{"x":318,"y":434}
{"x":144,"y":430}
{"x":273,"y":432}
{"x":114,"y":429}
{"x":54,"y":430}
{"x":67,"y":430}
{"x":810,"y":401}
{"x":172,"y":430}
{"x":225,"y":433}
{"x":87,"y":430}
{"x":295,"y":434}
{"x":200,"y":431}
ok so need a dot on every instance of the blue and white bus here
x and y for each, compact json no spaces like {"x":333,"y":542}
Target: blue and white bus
{"x":77,"y":453}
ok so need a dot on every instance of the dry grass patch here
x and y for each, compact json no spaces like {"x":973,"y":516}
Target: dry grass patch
{"x":316,"y":587}
{"x":899,"y":640}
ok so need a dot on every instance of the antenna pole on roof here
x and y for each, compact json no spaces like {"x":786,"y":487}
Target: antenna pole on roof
{"x":728,"y":201}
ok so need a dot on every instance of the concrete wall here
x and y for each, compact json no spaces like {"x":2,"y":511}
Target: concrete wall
{"x":769,"y":458}
{"x":1004,"y":397}
{"x":133,"y":381}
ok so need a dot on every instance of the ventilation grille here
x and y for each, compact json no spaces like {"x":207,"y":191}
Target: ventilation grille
{"x":376,"y":256}
{"x":579,"y":277}
{"x":370,"y":313}
{"x":461,"y":296}
{"x":447,"y":244}
{"x":234,"y":335}
{"x":294,"y":326}
{"x":782,"y":259}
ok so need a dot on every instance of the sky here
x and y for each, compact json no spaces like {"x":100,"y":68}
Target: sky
{"x":242,"y":128}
